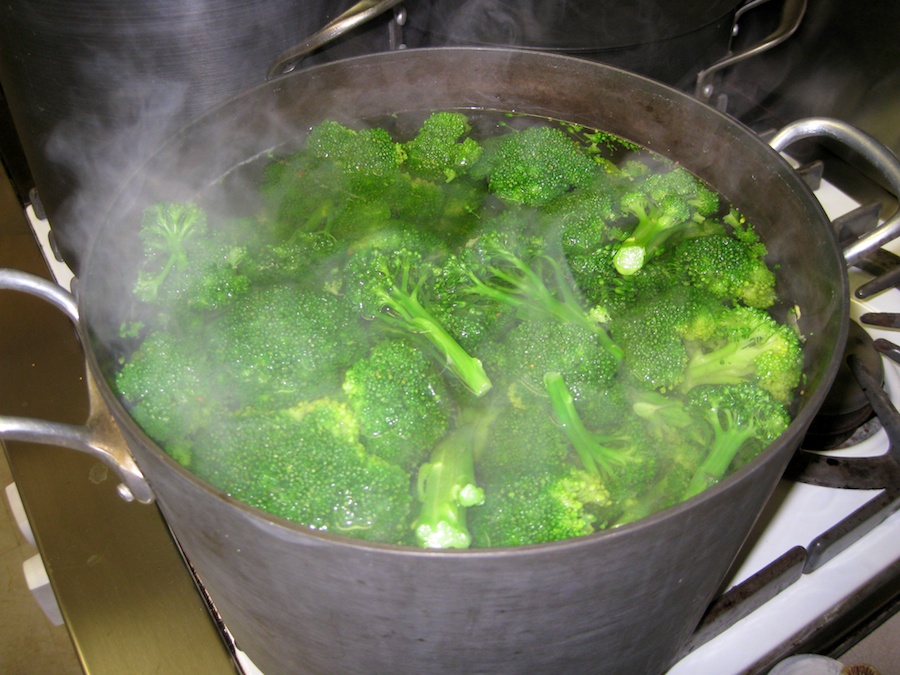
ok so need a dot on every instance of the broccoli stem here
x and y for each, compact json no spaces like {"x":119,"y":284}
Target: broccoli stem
{"x":415,"y":317}
{"x":725,"y":446}
{"x":527,"y":288}
{"x":446,"y":488}
{"x":733,"y":363}
{"x":590,"y":451}
{"x":648,"y":235}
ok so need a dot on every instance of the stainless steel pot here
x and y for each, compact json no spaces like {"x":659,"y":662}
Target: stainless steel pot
{"x":617,"y":601}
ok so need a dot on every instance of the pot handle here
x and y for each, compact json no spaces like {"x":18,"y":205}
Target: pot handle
{"x":358,"y":14}
{"x":872,"y":150}
{"x":791,"y":15}
{"x":99,"y":436}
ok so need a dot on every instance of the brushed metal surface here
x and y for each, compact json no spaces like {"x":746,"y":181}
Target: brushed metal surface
{"x":129,"y":601}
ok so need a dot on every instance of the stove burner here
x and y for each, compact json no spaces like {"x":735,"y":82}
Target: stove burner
{"x":846,"y":410}
{"x":858,"y":473}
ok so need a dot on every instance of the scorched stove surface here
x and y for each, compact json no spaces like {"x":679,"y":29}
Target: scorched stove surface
{"x":810,"y":612}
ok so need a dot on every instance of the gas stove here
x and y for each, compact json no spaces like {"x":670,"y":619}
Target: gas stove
{"x":801,"y":583}
{"x":822,"y":561}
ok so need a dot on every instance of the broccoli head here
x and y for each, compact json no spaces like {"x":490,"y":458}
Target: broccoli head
{"x":749,"y":345}
{"x":286,"y":343}
{"x":306,"y":464}
{"x":400,"y":401}
{"x":739,"y":414}
{"x":172,"y":390}
{"x":535,"y":165}
{"x":365,"y":151}
{"x":439,"y":151}
{"x":727,"y":268}
{"x":385,"y":277}
{"x":533,"y":509}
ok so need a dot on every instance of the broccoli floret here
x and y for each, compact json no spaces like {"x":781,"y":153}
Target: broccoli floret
{"x":535,"y":347}
{"x":657,"y":221}
{"x":728,"y":269}
{"x":447,"y":487}
{"x":738,"y":414}
{"x":535,"y":165}
{"x":749,"y":345}
{"x":165,"y":232}
{"x":703,"y":201}
{"x":306,"y":464}
{"x":287,"y":343}
{"x":539,"y":289}
{"x":400,"y":401}
{"x":299,"y":193}
{"x":365,"y":151}
{"x":172,"y":390}
{"x":520,"y":441}
{"x":586,"y":218}
{"x":537,"y":509}
{"x":652,"y":328}
{"x":597,"y":452}
{"x":439,"y":151}
{"x":384,"y":278}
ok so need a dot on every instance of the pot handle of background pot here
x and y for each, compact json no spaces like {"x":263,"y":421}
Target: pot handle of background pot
{"x":791,"y":15}
{"x":358,"y":14}
{"x":871,"y":150}
{"x":99,"y":436}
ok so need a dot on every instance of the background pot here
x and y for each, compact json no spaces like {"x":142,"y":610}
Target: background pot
{"x":668,"y":41}
{"x":623,"y":600}
{"x":94,"y":87}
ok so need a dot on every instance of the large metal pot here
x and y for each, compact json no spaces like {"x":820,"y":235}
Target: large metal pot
{"x":617,"y":601}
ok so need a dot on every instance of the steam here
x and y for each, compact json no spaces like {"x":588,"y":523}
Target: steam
{"x":136,"y":75}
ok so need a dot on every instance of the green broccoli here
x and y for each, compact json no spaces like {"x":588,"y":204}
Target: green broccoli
{"x":538,"y":289}
{"x":306,"y":464}
{"x":165,"y":231}
{"x":657,"y":221}
{"x":703,"y":201}
{"x":384,"y":277}
{"x":535,"y":347}
{"x":475,"y":322}
{"x":364,"y":151}
{"x":400,"y":401}
{"x":665,"y":204}
{"x":439,"y":151}
{"x":286,"y":343}
{"x":536,"y":509}
{"x":533,"y":166}
{"x":597,"y":452}
{"x":728,"y":269}
{"x":410,"y":343}
{"x":738,"y":414}
{"x":520,"y":441}
{"x":173,"y":390}
{"x":653,"y":327}
{"x":749,"y":345}
{"x":587,"y":217}
{"x":447,"y":487}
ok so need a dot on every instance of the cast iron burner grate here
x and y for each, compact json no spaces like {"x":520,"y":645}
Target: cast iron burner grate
{"x":846,"y":414}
